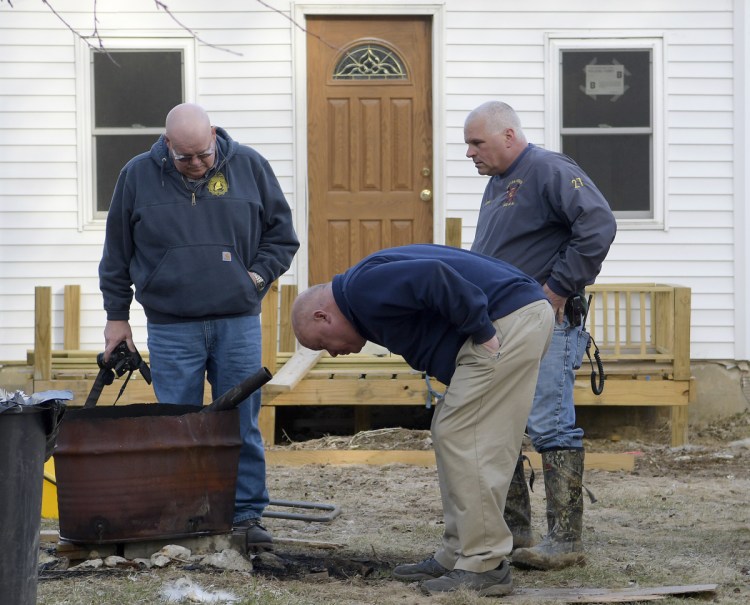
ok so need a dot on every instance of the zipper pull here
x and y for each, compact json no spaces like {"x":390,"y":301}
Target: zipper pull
{"x":193,"y":198}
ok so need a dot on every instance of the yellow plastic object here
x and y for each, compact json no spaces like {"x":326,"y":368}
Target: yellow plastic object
{"x":49,"y":491}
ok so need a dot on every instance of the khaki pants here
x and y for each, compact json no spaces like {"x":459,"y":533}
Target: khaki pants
{"x":477,"y":432}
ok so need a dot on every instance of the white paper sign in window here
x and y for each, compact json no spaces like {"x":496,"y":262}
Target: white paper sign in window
{"x":605,"y":80}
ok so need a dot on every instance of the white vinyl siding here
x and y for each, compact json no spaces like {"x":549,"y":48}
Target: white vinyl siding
{"x":487,"y":50}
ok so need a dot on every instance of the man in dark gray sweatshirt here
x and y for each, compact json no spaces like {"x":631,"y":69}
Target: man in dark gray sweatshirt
{"x":543,"y":214}
{"x":200,"y":227}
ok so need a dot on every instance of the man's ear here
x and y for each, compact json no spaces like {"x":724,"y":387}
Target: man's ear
{"x":321,"y":315}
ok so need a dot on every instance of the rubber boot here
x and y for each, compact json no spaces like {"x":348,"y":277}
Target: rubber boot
{"x":563,"y":484}
{"x":517,"y":513}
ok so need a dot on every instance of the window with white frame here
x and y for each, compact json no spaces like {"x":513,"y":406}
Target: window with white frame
{"x":609,"y":123}
{"x":129,"y":89}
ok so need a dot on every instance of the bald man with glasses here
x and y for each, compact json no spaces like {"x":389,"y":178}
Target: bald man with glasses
{"x":197,"y":230}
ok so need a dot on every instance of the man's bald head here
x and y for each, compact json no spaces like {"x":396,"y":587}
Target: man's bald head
{"x":187,"y":122}
{"x":319,"y":324}
{"x":189,"y":135}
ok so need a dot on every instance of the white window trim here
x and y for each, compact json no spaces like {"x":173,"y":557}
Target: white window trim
{"x":88,"y":218}
{"x":554,"y":43}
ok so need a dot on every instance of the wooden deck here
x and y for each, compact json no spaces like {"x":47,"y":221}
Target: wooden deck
{"x":643,"y":331}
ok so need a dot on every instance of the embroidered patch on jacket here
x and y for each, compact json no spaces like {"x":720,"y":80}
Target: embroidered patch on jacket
{"x":511,"y":192}
{"x":218,"y":184}
{"x":226,"y":256}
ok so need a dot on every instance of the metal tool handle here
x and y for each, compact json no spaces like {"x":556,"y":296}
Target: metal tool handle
{"x":239,"y":393}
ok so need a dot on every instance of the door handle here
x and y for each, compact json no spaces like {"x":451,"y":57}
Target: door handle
{"x":425,"y":195}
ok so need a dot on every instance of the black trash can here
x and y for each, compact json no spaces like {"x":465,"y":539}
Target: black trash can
{"x":27,"y":434}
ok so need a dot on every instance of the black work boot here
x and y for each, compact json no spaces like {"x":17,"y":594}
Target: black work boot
{"x":563,"y":484}
{"x":517,"y":513}
{"x":257,"y":538}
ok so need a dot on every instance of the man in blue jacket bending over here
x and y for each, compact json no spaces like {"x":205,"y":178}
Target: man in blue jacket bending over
{"x":480,"y":326}
{"x":199,"y":225}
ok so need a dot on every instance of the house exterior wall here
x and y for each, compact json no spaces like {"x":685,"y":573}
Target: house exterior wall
{"x":483,"y":49}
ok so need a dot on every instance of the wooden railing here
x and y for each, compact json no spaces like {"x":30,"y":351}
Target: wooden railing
{"x":642,"y":330}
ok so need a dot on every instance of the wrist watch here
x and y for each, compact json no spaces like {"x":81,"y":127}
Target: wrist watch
{"x":260,"y":283}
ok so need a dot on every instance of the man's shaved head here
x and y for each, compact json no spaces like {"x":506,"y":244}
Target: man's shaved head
{"x":189,"y":135}
{"x":186,"y":123}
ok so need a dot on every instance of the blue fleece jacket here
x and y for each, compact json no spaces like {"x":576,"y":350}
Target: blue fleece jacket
{"x":187,"y":246}
{"x":424,"y":301}
{"x":545,"y":216}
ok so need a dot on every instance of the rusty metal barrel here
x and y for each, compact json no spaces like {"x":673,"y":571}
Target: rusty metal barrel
{"x":146,"y":471}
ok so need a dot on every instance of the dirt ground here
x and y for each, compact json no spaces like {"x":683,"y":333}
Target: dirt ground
{"x":682,"y":517}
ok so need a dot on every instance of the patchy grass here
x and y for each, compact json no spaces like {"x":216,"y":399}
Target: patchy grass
{"x":681,"y":518}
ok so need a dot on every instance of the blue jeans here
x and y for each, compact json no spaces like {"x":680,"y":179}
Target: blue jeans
{"x":226,"y":351}
{"x":552,"y":421}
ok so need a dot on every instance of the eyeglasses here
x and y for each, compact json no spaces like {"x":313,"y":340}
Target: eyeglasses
{"x":189,"y":158}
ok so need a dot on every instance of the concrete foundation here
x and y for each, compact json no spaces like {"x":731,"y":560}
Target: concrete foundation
{"x":722,"y":389}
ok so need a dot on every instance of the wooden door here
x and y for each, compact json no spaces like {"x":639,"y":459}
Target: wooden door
{"x":369,"y":138}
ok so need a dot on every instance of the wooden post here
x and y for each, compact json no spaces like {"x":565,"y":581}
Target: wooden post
{"x":682,"y":302}
{"x":287,"y":341}
{"x":72,"y":318}
{"x":267,"y":424}
{"x":663,"y":317}
{"x":269,"y":320}
{"x":679,"y":420}
{"x":42,"y":333}
{"x":453,"y":232}
{"x":679,"y":424}
{"x":362,"y":418}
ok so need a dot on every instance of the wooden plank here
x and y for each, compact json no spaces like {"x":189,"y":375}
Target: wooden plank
{"x":426,"y":458}
{"x":72,"y":317}
{"x":309,"y":543}
{"x":287,"y":340}
{"x":662,"y":320}
{"x":370,"y":457}
{"x":292,"y":372}
{"x":74,"y":356}
{"x":267,"y":424}
{"x":362,"y":418}
{"x":605,"y":340}
{"x":634,"y":287}
{"x":42,"y":332}
{"x":628,"y":323}
{"x":679,"y":425}
{"x":378,"y":389}
{"x":605,"y":595}
{"x":633,"y":392}
{"x":413,"y":391}
{"x":453,"y":235}
{"x":269,"y":318}
{"x":137,"y":391}
{"x":682,"y":303}
{"x":345,"y":391}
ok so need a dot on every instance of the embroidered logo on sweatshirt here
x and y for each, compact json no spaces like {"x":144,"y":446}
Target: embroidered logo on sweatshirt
{"x":226,"y":256}
{"x":511,"y":192}
{"x":218,"y":184}
{"x":507,"y":197}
